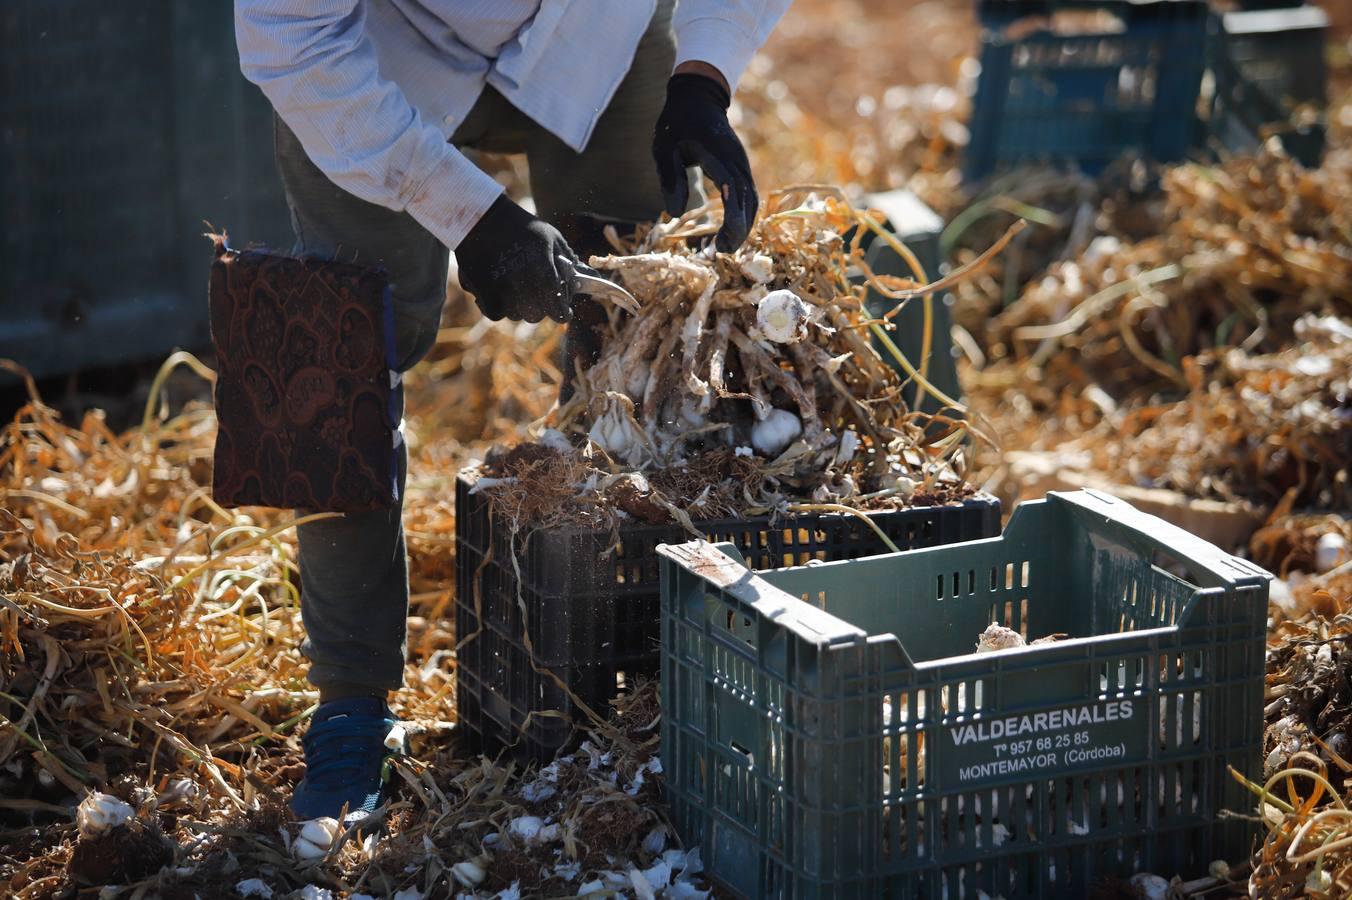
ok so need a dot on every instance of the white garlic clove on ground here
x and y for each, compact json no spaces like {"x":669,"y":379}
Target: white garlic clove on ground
{"x":782,"y":317}
{"x":99,"y":813}
{"x":469,"y":873}
{"x":1331,"y":552}
{"x":779,"y":429}
{"x":1318,"y":882}
{"x":179,"y":789}
{"x":315,"y":839}
{"x":526,"y":827}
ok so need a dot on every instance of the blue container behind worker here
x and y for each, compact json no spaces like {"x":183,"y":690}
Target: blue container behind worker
{"x":124,"y":127}
{"x":1091,"y":96}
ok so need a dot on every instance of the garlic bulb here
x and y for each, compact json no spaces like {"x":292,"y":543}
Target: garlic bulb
{"x":315,"y":839}
{"x":758,"y":268}
{"x":100,"y":813}
{"x":900,"y":483}
{"x":1330,"y":552}
{"x":782,"y":317}
{"x":775,"y":432}
{"x":616,"y":432}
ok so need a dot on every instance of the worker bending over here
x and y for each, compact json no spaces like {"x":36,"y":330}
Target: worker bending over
{"x":610,"y":100}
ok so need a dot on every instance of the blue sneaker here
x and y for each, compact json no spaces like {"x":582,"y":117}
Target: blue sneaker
{"x":345,"y":752}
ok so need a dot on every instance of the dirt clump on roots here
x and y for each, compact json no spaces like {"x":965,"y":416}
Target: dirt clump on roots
{"x":128,"y":853}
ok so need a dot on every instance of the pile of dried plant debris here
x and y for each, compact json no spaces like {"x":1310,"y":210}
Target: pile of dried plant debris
{"x":150,"y":674}
{"x":1265,"y":431}
{"x":1303,"y":795}
{"x":1247,"y":249}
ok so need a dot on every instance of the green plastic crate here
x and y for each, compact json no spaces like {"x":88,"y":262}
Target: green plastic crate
{"x":828,"y":730}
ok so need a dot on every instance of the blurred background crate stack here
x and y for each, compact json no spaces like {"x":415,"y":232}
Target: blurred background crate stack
{"x":1128,"y":81}
{"x":829,"y":731}
{"x":1271,"y":77}
{"x":124,"y":126}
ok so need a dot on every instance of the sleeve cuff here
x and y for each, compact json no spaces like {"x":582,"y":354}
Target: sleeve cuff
{"x":718,"y":43}
{"x":453,"y":197}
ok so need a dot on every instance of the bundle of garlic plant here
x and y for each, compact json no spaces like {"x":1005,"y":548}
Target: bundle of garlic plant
{"x":767,"y":358}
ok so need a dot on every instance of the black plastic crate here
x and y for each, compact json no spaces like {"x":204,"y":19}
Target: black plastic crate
{"x":1089,"y":98}
{"x":828,"y":731}
{"x":1268,"y":64}
{"x":585,"y":612}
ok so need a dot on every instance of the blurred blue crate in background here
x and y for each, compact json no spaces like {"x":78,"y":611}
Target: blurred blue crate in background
{"x":1090,"y":96}
{"x":125,"y":125}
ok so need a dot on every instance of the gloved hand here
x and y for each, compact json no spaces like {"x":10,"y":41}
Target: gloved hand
{"x":507,"y":261}
{"x":693,"y":130}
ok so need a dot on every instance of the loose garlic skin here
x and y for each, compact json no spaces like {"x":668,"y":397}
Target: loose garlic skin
{"x":773,"y":435}
{"x":469,"y":873}
{"x":101,"y":813}
{"x":998,"y":637}
{"x":782,"y":316}
{"x":849,"y":443}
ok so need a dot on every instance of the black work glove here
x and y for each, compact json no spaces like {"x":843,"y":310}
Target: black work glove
{"x":693,"y":130}
{"x":508,"y":262}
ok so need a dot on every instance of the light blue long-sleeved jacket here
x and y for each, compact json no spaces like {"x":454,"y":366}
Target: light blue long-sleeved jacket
{"x":375,"y":88}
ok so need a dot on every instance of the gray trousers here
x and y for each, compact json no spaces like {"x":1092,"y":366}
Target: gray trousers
{"x":354,"y":571}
